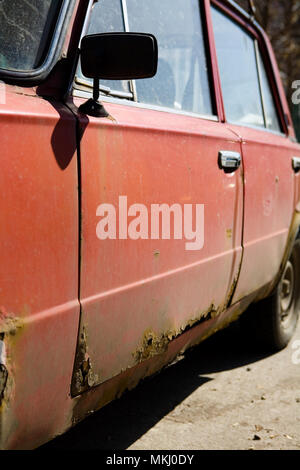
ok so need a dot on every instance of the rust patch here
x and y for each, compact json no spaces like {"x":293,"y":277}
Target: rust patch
{"x":223,"y":324}
{"x":9,"y":324}
{"x":229,"y":234}
{"x":114,"y":388}
{"x":153,"y":345}
{"x":231,"y":292}
{"x":3,"y":370}
{"x":6,"y":376}
{"x":111,"y":118}
{"x":83,"y":375}
{"x":3,"y":382}
{"x":20,"y":91}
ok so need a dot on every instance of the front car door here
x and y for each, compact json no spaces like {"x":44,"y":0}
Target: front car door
{"x":141,"y":287}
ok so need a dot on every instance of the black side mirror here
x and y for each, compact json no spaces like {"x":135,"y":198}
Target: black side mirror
{"x":116,"y":56}
{"x":119,"y":56}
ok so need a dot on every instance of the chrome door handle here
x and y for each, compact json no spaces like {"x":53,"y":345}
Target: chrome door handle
{"x":229,"y":161}
{"x":296,"y":164}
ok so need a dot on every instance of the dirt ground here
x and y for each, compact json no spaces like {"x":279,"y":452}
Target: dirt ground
{"x":223,"y":395}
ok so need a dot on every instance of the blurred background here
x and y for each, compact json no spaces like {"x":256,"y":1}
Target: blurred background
{"x":281,"y":20}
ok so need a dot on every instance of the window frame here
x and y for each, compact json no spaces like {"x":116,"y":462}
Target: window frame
{"x":36,"y":76}
{"x":252,"y":28}
{"x":84,"y":84}
{"x":82,"y":89}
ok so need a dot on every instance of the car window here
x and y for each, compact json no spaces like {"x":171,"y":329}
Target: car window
{"x":107,"y":17}
{"x":247,"y":94}
{"x":238,"y":71}
{"x":25,"y":32}
{"x":182,"y":79}
{"x":272,"y":121}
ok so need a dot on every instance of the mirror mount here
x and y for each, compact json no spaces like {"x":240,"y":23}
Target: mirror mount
{"x":92,"y":107}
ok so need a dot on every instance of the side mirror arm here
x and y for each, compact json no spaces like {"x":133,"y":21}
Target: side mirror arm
{"x":92,"y":107}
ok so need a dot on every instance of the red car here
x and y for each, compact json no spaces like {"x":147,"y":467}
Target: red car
{"x":134,"y":227}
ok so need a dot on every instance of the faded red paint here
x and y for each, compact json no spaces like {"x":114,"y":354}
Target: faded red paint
{"x":269,"y":206}
{"x":130,"y":292}
{"x":39,"y":262}
{"x":123,"y":283}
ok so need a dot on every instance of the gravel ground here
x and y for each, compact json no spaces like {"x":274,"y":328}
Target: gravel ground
{"x":223,"y":395}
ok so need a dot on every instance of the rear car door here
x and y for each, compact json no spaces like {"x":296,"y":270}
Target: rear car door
{"x":159,"y":147}
{"x":253,"y":112}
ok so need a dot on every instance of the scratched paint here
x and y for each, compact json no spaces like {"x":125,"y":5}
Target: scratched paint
{"x":37,"y":361}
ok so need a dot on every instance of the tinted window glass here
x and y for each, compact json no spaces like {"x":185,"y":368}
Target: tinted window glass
{"x":182,"y":77}
{"x":239,"y":72}
{"x":269,"y":105}
{"x":25,"y":31}
{"x":107,"y":17}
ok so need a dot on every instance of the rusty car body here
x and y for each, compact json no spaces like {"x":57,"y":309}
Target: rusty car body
{"x":83,"y":320}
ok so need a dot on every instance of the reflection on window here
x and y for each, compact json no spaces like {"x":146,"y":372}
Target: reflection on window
{"x":269,"y":105}
{"x":25,"y":32}
{"x":107,"y":17}
{"x":182,"y":77}
{"x":239,"y":72}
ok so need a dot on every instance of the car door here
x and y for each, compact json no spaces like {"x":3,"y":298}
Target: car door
{"x":252,"y":109}
{"x":159,"y":147}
